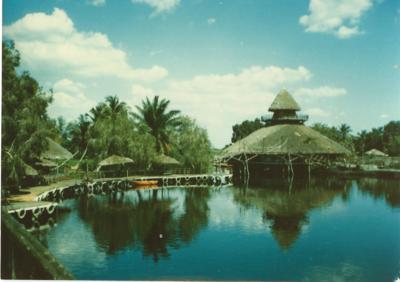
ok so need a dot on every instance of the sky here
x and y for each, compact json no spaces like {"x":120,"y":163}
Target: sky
{"x":218,"y":61}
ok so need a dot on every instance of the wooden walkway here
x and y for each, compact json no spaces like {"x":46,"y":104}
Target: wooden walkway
{"x":37,"y":204}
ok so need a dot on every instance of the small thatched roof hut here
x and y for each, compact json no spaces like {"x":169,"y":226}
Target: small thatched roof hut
{"x":56,"y":152}
{"x":30,"y":171}
{"x":165,"y":160}
{"x":115,"y":166}
{"x":375,"y":152}
{"x":115,"y":160}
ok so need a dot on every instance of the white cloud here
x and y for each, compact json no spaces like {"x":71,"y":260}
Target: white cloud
{"x":159,"y":6}
{"x":317,"y":112}
{"x":345,"y":32}
{"x":217,"y":101}
{"x":324,"y":91}
{"x":140,"y":92}
{"x":396,"y":66}
{"x":211,"y":21}
{"x":384,"y":116}
{"x":152,"y":74}
{"x":52,"y":43}
{"x":69,"y":99}
{"x":339,"y":17}
{"x":97,"y":3}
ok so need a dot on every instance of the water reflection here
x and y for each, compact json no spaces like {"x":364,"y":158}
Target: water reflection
{"x":343,"y":272}
{"x":149,"y":220}
{"x":389,"y":190}
{"x":285,"y":205}
{"x":233,"y":233}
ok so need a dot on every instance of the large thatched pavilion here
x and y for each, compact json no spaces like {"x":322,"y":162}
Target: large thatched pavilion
{"x":285,"y":145}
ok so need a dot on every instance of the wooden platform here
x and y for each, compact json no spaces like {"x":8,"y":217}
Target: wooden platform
{"x":47,"y":196}
{"x":16,"y":206}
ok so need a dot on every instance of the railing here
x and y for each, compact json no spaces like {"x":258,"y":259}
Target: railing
{"x":142,"y":172}
{"x":24,"y":257}
{"x":269,"y":118}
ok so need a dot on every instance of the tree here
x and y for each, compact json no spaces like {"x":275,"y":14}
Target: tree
{"x":191,"y":146}
{"x":245,"y":128}
{"x":391,"y":138}
{"x":25,"y":122}
{"x":97,"y":112}
{"x":341,"y":134}
{"x":159,"y":121}
{"x":80,"y":135}
{"x":344,"y":131}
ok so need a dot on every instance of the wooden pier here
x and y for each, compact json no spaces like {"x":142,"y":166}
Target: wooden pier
{"x":40,"y":211}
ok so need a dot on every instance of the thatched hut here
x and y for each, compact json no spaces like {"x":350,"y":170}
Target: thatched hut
{"x":375,"y":153}
{"x":115,"y":166}
{"x":285,"y":144}
{"x":31,"y":176}
{"x":165,"y":164}
{"x":53,"y":158}
{"x":45,"y":166}
{"x":55,"y":152}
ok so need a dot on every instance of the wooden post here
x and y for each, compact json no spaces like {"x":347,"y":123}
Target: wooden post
{"x":13,"y":276}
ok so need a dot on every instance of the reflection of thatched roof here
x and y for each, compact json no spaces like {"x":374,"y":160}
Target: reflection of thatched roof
{"x":375,"y":152}
{"x":287,"y":212}
{"x":55,"y":152}
{"x":284,"y":101}
{"x":165,"y":160}
{"x":30,"y":171}
{"x":285,"y":139}
{"x":115,"y":160}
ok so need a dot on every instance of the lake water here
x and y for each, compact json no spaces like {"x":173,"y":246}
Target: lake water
{"x":322,"y":230}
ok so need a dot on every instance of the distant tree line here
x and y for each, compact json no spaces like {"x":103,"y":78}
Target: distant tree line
{"x":385,"y":138}
{"x":110,"y":127}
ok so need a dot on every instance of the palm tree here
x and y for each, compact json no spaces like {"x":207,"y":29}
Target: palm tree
{"x":344,"y":131}
{"x":154,"y":114}
{"x":80,"y":133}
{"x":115,"y":106}
{"x":97,"y":112}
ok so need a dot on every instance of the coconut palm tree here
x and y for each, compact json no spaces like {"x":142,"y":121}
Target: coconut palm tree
{"x":115,"y":106}
{"x":97,"y":112}
{"x":158,"y":119}
{"x":344,"y":131}
{"x":80,"y":134}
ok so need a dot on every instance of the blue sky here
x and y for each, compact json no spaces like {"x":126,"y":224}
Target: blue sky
{"x":220,"y":62}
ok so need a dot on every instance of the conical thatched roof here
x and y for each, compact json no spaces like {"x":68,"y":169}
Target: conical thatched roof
{"x":115,"y":160}
{"x":375,"y":152}
{"x":285,"y":139}
{"x":56,"y":152}
{"x":165,"y":160}
{"x":284,"y":101}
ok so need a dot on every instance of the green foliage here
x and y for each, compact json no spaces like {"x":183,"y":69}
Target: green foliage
{"x":191,"y":146}
{"x":245,"y":128}
{"x":340,"y":134}
{"x":159,"y":121}
{"x":25,"y":123}
{"x":385,"y":139}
